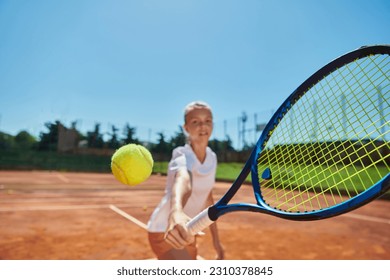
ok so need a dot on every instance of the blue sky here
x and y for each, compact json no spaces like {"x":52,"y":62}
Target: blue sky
{"x":141,"y":62}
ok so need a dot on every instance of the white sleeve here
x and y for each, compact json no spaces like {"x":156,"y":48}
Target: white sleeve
{"x":177,"y":162}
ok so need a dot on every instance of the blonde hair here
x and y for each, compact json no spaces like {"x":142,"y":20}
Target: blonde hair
{"x":193,"y":105}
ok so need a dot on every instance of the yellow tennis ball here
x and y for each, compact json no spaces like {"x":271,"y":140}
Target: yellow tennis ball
{"x":132,"y":164}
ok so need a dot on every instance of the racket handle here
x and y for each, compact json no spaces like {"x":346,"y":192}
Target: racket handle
{"x":199,"y":222}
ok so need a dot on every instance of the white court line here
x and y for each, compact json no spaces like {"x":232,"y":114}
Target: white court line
{"x":138,"y":223}
{"x":127,"y":216}
{"x":62,"y":177}
{"x":51,"y":208}
{"x":56,"y":207}
{"x":367,"y":218}
{"x":134,"y":220}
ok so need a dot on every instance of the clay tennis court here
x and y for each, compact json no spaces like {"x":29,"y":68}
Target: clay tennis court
{"x":62,"y":215}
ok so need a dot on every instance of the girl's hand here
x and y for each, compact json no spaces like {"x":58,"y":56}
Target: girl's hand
{"x":177,"y":234}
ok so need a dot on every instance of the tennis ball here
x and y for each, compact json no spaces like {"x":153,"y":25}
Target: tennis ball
{"x":132,"y":164}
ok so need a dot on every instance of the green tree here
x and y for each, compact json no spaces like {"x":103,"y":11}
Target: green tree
{"x":95,"y":138}
{"x":7,"y":141}
{"x":162,"y":147}
{"x":25,"y":140}
{"x":114,"y":143}
{"x":49,"y":140}
{"x":179,"y":139}
{"x":221,"y":148}
{"x":129,"y":135}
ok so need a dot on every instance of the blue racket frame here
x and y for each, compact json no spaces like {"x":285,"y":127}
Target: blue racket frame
{"x":222,"y":207}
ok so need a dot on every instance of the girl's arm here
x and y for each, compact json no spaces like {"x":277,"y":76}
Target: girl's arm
{"x":177,"y":234}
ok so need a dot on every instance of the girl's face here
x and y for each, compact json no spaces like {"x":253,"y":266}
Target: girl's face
{"x":199,"y":125}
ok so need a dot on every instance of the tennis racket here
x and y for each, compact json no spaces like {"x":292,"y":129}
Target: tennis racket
{"x":326,"y":150}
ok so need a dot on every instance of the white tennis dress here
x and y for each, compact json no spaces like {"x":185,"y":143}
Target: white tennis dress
{"x":203,"y":179}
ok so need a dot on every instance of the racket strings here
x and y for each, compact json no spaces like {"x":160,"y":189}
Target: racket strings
{"x":357,"y":173}
{"x":330,"y":189}
{"x":322,"y":191}
{"x":331,"y":145}
{"x":320,"y":150}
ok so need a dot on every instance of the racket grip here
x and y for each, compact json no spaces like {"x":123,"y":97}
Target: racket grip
{"x":199,"y":222}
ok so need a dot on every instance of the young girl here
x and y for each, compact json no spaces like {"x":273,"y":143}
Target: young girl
{"x":191,"y":176}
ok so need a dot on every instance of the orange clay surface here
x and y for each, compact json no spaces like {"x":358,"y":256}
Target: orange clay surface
{"x":60,"y":215}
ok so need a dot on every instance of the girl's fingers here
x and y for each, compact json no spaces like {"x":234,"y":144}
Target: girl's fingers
{"x":178,"y":237}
